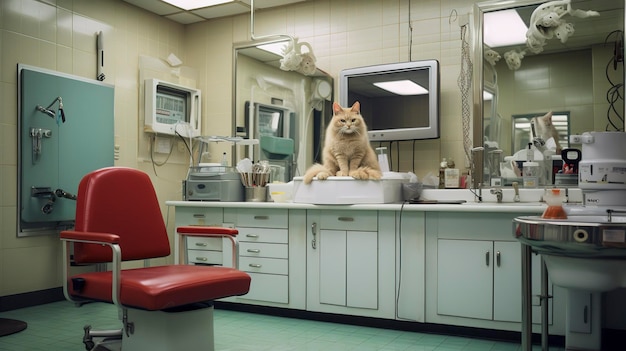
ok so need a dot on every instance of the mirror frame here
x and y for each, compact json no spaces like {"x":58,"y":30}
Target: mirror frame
{"x":480,"y":9}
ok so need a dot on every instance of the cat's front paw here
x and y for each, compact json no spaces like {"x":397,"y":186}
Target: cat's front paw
{"x":359,"y":173}
{"x":323,"y":175}
{"x":373,"y":174}
{"x":343,"y":173}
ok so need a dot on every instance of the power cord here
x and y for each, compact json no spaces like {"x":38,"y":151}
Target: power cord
{"x":615,"y":92}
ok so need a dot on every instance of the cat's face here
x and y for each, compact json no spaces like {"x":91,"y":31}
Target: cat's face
{"x":347,"y":120}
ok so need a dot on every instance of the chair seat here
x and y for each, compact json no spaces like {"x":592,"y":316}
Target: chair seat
{"x":162,"y":287}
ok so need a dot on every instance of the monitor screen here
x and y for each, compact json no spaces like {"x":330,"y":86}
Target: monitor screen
{"x":391,"y":114}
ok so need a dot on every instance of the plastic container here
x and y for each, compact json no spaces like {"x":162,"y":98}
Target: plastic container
{"x":530,"y":174}
{"x":554,"y":198}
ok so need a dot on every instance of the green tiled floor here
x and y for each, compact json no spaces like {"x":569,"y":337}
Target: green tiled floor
{"x":59,"y":327}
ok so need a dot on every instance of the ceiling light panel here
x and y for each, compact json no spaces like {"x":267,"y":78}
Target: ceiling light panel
{"x":195,"y":4}
{"x":402,"y":87}
{"x":504,"y":28}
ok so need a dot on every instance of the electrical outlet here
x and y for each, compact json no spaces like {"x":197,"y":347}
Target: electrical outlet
{"x":163,"y":145}
{"x":463,"y":19}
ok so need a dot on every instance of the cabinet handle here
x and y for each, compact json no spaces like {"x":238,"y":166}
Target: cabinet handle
{"x":252,"y":236}
{"x":254,"y":250}
{"x":262,"y":217}
{"x":586,"y":315}
{"x":204,"y":259}
{"x":498,"y":258}
{"x":313,"y":231}
{"x":487,"y":258}
{"x":201,"y":244}
{"x":254,"y":265}
{"x":198,"y":215}
{"x":345,"y":219}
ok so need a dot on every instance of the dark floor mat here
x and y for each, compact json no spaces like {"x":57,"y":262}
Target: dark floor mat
{"x":11,"y":326}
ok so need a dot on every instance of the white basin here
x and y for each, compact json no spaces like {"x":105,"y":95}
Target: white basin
{"x":594,"y":275}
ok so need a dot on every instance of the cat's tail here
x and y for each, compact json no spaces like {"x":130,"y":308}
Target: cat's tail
{"x":317,"y":170}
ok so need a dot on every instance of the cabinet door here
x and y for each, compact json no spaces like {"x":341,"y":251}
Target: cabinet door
{"x":349,"y":268}
{"x":362,"y":269}
{"x":332,"y":267}
{"x":507,"y":289}
{"x":465,"y":278}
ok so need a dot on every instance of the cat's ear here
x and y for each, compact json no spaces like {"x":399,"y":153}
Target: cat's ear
{"x":337,"y":108}
{"x":356,"y":107}
{"x":547,"y":117}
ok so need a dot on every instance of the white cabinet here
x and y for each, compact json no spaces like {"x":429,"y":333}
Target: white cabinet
{"x":209,"y":251}
{"x":271,"y":251}
{"x":479,"y":279}
{"x":351,"y":262}
{"x":474,"y":271}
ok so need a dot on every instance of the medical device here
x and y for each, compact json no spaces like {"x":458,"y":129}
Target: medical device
{"x":171,"y":109}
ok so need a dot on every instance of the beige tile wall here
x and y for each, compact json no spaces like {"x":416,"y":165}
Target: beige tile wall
{"x":60,"y":35}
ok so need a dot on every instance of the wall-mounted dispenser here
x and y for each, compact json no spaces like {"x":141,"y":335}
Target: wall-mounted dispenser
{"x":171,"y":109}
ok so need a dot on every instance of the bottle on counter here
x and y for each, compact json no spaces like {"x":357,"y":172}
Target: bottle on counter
{"x":442,"y":173}
{"x":554,"y":198}
{"x":530,"y":169}
{"x":452,"y":175}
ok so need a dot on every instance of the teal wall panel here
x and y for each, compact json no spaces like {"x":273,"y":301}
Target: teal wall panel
{"x":84,"y":142}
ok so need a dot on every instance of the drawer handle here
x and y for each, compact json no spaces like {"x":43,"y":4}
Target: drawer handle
{"x":201,"y":244}
{"x":252,"y":235}
{"x":198,"y":215}
{"x":262,"y":217}
{"x":254,"y":265}
{"x":254,"y":250}
{"x":204,"y":259}
{"x":346,"y":219}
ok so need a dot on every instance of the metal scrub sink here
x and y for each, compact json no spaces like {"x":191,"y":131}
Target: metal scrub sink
{"x":581,"y":252}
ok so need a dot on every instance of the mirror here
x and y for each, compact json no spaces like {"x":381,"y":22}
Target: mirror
{"x":578,"y":74}
{"x":278,"y":113}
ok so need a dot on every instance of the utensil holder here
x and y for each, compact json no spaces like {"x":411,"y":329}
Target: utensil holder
{"x":256,"y":194}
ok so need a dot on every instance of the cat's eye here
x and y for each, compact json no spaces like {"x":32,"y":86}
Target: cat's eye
{"x":343,"y":120}
{"x":353,"y":120}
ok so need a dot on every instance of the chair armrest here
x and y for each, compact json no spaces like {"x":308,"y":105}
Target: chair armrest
{"x":104,"y":238}
{"x":108,"y":239}
{"x":207,"y":231}
{"x":197,"y":230}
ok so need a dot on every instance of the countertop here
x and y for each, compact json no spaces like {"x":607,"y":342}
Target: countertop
{"x":516,"y":207}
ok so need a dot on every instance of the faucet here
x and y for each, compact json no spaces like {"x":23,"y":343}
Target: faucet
{"x":516,"y":189}
{"x":498,"y":193}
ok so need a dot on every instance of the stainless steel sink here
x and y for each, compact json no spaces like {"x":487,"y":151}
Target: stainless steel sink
{"x":581,"y":252}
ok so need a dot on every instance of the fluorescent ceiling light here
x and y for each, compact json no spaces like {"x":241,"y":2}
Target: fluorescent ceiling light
{"x":402,"y":87}
{"x":195,"y":4}
{"x":504,"y":28}
{"x":275,"y":48}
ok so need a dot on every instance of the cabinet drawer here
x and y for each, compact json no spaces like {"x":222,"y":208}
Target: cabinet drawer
{"x":349,"y":220}
{"x":195,"y":243}
{"x":199,"y":216}
{"x":268,"y":287}
{"x":264,"y":265}
{"x":204,"y":256}
{"x":263,"y":235}
{"x":263,"y":218}
{"x":263,"y":250}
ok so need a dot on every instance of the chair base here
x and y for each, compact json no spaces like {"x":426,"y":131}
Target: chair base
{"x":170,"y":331}
{"x":158,"y":331}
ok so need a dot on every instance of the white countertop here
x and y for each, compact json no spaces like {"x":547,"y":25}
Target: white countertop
{"x":517,"y":207}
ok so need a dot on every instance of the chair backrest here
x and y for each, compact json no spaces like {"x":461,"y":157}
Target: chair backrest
{"x":121,"y":201}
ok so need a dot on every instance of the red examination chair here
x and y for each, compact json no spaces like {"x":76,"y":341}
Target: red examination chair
{"x":165,"y":307}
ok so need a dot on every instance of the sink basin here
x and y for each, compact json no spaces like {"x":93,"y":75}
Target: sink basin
{"x":581,"y":252}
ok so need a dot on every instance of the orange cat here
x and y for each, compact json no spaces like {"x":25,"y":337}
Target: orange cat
{"x":347,"y":150}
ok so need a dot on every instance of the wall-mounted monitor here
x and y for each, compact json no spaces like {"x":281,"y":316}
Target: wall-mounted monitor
{"x":393,"y":114}
{"x":171,"y":109}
